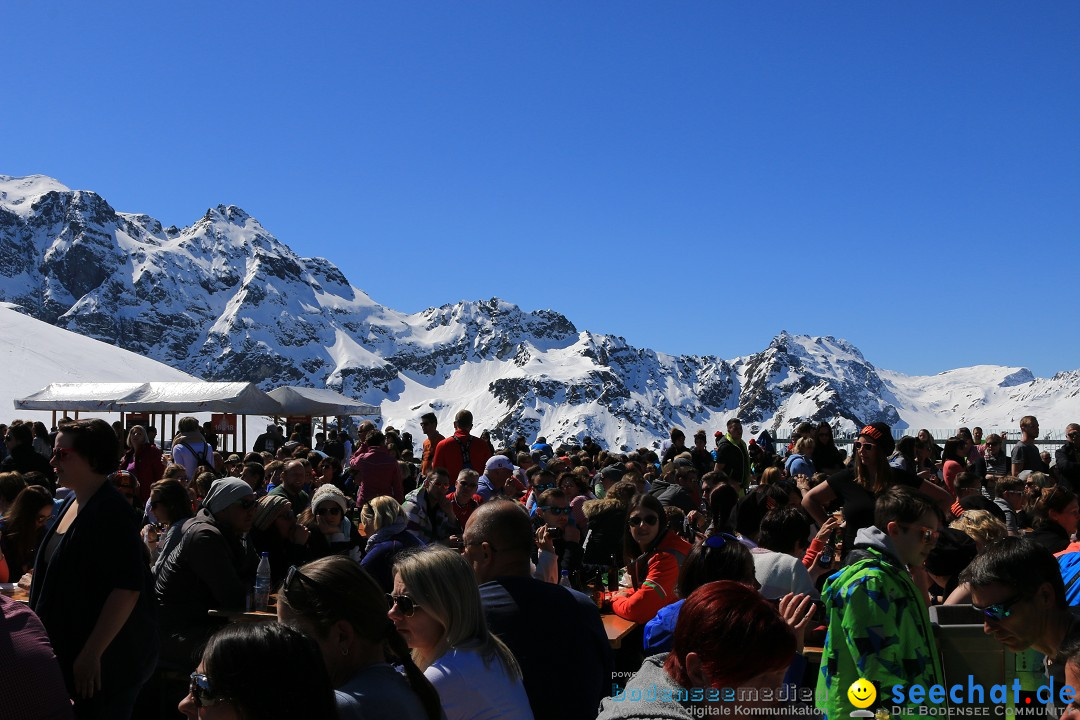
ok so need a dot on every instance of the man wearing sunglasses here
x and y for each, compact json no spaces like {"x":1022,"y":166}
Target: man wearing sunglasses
{"x":1017,"y":585}
{"x":879,"y":625}
{"x":210,"y":568}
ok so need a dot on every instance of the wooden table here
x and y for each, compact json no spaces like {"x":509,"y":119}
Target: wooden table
{"x":18,"y":594}
{"x":241,"y":616}
{"x":617,"y":629}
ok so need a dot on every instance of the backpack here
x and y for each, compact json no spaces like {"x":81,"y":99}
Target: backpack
{"x":466,"y":463}
{"x":201,"y":459}
{"x":1070,"y":573}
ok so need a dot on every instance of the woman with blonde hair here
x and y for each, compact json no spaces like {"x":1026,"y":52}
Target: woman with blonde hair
{"x":384,"y":525}
{"x":341,"y":607}
{"x":435,"y":605}
{"x":981,"y":526}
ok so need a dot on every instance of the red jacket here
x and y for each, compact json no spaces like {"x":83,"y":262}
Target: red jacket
{"x":660,"y":568}
{"x":448,"y":454}
{"x":375,"y":472}
{"x":146,"y":466}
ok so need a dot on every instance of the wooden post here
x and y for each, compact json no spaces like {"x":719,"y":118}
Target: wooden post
{"x":53,"y":426}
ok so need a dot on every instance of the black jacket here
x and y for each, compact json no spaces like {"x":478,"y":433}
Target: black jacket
{"x":1067,"y":463}
{"x":24,"y":459}
{"x":209,"y":568}
{"x":100,"y":552}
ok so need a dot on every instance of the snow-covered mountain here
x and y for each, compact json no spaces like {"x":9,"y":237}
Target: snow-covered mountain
{"x":35,"y":354}
{"x":223,"y":299}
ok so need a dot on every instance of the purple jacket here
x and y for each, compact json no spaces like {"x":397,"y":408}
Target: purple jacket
{"x":375,"y":472}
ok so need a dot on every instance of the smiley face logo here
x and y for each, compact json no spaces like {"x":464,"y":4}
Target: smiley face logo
{"x":862,"y":693}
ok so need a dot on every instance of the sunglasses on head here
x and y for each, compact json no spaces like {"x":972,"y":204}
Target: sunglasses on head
{"x":556,"y":510}
{"x":719,"y":540}
{"x":998,"y":611}
{"x":202,"y":693}
{"x":404,"y":604}
{"x":636,"y":520}
{"x":332,"y":509}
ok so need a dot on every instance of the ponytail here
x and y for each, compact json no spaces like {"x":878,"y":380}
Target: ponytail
{"x":398,"y":652}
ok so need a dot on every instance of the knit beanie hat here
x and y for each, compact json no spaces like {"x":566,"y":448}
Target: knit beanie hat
{"x":269,"y":505}
{"x":224,"y":493}
{"x":329,"y":493}
{"x":881,"y":434}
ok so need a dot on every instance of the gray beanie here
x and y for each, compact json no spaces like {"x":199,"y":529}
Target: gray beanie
{"x":224,"y":493}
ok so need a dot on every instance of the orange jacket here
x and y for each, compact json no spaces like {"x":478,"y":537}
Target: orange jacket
{"x":661,"y":569}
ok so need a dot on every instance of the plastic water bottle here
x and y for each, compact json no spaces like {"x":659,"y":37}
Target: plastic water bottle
{"x":262,"y":584}
{"x":564,"y":579}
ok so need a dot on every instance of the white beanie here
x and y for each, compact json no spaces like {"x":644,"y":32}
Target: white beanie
{"x":329,"y":493}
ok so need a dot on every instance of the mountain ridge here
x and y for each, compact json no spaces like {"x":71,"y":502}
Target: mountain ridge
{"x":224,"y":299}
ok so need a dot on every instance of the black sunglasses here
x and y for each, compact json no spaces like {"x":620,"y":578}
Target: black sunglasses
{"x":294,"y":575}
{"x":556,"y":510}
{"x":404,"y":603}
{"x":636,"y":520}
{"x":202,"y":693}
{"x":247,"y":503}
{"x":998,"y":611}
{"x":332,"y":509}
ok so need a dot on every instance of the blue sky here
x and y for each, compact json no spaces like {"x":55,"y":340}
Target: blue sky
{"x":693,"y":176}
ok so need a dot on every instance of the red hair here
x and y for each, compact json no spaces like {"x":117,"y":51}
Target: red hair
{"x":736,"y":633}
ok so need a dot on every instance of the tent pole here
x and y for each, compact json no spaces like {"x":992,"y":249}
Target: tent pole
{"x":53,"y":419}
{"x":243,"y":426}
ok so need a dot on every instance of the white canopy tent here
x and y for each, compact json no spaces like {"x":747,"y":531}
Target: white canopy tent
{"x":319,"y":402}
{"x":78,"y":396}
{"x":171,"y":398}
{"x":166,"y":398}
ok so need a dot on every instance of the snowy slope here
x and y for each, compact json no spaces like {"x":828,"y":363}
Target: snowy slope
{"x":223,"y":299}
{"x":34,"y":354}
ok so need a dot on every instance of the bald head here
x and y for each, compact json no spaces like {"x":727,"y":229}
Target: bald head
{"x":499,"y":540}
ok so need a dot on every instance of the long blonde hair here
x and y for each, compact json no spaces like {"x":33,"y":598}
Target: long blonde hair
{"x":381,"y":512}
{"x":441,"y":582}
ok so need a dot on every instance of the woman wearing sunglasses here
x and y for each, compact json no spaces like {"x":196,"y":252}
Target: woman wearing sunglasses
{"x":435,"y":605}
{"x":331,"y":532}
{"x":337,"y":604}
{"x":91,"y":584}
{"x":259,"y":671}
{"x":856,"y":488}
{"x":654,"y":553}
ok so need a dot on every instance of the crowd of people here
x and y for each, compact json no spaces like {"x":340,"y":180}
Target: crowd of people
{"x":470,"y":582}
